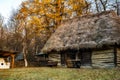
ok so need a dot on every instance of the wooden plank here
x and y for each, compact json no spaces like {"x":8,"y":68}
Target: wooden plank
{"x":103,"y":65}
{"x":103,"y":59}
{"x":55,"y":57}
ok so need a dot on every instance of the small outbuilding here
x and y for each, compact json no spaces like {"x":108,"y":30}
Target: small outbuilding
{"x":87,"y":41}
{"x":7,"y":59}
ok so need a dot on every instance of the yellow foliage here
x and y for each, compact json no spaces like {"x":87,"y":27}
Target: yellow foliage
{"x":45,"y":13}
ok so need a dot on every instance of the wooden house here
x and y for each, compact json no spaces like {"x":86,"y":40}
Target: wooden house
{"x":43,"y":60}
{"x":7,"y":59}
{"x":91,"y":41}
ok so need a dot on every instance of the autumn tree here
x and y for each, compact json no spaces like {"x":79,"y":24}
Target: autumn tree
{"x":15,"y":37}
{"x":102,"y":5}
{"x":39,"y":18}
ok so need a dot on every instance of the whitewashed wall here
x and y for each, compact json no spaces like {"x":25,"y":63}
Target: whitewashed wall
{"x":3,"y":64}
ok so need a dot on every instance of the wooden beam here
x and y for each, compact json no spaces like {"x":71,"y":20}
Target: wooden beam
{"x":12,"y":60}
{"x":76,"y":56}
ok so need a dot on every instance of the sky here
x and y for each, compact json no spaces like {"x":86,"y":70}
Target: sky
{"x":6,"y":6}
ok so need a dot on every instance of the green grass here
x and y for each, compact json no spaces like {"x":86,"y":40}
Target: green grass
{"x":43,"y":73}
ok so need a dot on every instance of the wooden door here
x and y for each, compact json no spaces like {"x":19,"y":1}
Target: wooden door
{"x":63,"y":63}
{"x":86,"y":58}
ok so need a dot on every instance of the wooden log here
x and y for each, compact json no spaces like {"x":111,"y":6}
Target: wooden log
{"x":55,"y":57}
{"x":103,"y":59}
{"x":118,"y":57}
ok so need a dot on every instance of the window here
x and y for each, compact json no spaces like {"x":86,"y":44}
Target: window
{"x":2,"y":63}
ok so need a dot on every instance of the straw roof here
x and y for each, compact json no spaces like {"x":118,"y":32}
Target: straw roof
{"x":92,"y":31}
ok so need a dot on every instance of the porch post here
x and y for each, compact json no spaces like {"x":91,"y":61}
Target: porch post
{"x":12,"y":61}
{"x":115,"y":56}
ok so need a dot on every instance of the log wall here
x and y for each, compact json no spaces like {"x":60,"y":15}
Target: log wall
{"x":103,"y":59}
{"x":118,"y":57}
{"x":55,"y":57}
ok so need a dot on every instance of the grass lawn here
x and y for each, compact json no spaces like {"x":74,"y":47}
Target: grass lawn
{"x":43,"y":73}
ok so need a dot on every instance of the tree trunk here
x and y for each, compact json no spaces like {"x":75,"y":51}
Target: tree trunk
{"x":25,"y":47}
{"x":25,"y":54}
{"x":118,"y":8}
{"x":97,"y":8}
{"x":25,"y":60}
{"x":104,"y":3}
{"x":35,"y":43}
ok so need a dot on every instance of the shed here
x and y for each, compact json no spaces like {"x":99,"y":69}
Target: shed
{"x":87,"y":41}
{"x":7,"y":59}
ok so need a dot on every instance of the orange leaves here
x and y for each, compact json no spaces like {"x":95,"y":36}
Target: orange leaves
{"x":46,"y":1}
{"x":23,"y":10}
{"x":76,"y":5}
{"x":42,"y":14}
{"x":36,"y":19}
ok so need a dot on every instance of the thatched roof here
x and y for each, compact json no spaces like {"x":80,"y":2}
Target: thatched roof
{"x":92,"y":31}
